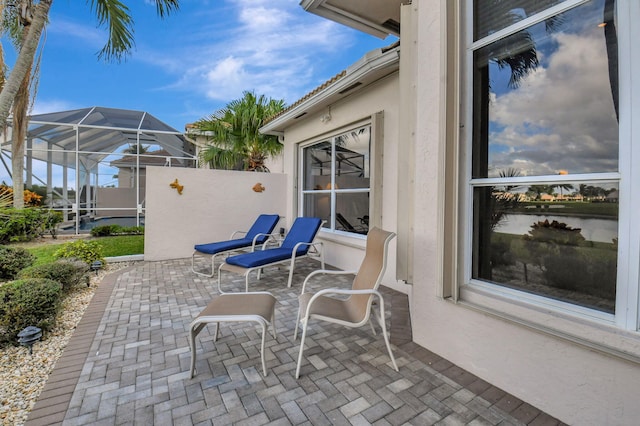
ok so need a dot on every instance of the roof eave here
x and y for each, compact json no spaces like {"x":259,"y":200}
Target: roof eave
{"x":370,"y":68}
{"x":336,"y":14}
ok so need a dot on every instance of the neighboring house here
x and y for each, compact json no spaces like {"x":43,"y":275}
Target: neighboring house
{"x":128,"y":164}
{"x":198,"y":138}
{"x":118,"y":201}
{"x":427,"y":133}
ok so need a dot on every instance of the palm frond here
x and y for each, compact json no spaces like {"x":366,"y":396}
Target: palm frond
{"x":116,"y":16}
{"x":219,"y":158}
{"x":165,"y":7}
{"x":235,"y":128}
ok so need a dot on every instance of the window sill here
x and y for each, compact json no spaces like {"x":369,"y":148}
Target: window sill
{"x":343,"y":238}
{"x":595,"y":334}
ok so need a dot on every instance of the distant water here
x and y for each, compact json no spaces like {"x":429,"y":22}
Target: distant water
{"x":601,"y":230}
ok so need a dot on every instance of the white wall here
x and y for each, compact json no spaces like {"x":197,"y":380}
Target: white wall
{"x":118,"y":198}
{"x":213,"y":204}
{"x":576,"y":384}
{"x":347,"y":252}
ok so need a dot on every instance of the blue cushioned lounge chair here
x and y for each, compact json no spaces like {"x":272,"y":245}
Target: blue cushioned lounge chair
{"x":297,"y":244}
{"x":257,"y":235}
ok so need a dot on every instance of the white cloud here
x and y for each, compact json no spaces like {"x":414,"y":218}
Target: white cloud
{"x":262,"y":19}
{"x":561,"y":117}
{"x":52,"y":105}
{"x":87,"y":34}
{"x":263,"y":46}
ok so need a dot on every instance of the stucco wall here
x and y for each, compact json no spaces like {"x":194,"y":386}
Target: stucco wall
{"x":567,"y":380}
{"x":346,"y":252}
{"x":213,"y":204}
{"x":119,"y":198}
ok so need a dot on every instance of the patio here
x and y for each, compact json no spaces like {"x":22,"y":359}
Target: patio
{"x":128,"y":363}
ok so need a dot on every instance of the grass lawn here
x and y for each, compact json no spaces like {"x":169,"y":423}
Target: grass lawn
{"x":569,"y":208}
{"x":111,"y":246}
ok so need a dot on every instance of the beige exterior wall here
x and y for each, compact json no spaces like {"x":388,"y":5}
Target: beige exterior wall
{"x":108,"y":198}
{"x":341,"y":251}
{"x":213,"y":204}
{"x":577,"y":384}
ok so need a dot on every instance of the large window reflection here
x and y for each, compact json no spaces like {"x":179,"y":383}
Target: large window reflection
{"x":559,"y":240}
{"x":545,"y":99}
{"x":336,"y":180}
{"x":493,"y":15}
{"x":545,"y":113}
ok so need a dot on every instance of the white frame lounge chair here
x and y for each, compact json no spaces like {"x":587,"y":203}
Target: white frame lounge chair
{"x":354,"y":311}
{"x":258,"y":234}
{"x":298,"y":243}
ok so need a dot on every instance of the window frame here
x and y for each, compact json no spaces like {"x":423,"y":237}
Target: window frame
{"x":504,"y":301}
{"x":374,"y":122}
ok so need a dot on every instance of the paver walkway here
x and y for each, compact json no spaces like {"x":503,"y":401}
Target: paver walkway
{"x":135,"y":365}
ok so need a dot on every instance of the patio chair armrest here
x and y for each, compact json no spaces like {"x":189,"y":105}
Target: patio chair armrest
{"x":326,"y":272}
{"x":316,"y":244}
{"x":349,"y":292}
{"x":298,"y":245}
{"x":234,"y":233}
{"x":335,"y":290}
{"x":264,"y":245}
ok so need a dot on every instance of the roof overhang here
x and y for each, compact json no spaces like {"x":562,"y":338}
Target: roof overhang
{"x":372,"y":67}
{"x":379,"y":18}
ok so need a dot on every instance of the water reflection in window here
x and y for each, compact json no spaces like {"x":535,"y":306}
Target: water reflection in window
{"x":558,"y":240}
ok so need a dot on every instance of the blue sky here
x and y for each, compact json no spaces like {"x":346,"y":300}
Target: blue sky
{"x":195,"y":61}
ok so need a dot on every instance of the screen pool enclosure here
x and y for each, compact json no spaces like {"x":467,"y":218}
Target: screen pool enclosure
{"x":92,"y":161}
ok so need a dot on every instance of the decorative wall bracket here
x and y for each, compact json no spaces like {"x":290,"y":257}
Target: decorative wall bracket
{"x":176,"y":185}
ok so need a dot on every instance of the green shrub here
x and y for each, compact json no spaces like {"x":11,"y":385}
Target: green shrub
{"x":27,"y":224}
{"x":556,"y":233}
{"x":108,"y":230}
{"x":50,"y":222}
{"x":87,"y":251}
{"x":105,"y":230}
{"x":33,"y":301}
{"x":133,"y":230}
{"x":67,"y":272}
{"x":12,"y":260}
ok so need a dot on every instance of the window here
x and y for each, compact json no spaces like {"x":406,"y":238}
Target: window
{"x":336,"y":180}
{"x":546,"y":164}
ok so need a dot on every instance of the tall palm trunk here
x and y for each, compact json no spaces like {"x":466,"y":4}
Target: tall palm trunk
{"x":20,"y":109}
{"x":25,"y":58}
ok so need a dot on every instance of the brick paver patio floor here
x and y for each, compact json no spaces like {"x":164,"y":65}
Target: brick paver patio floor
{"x":128,"y":363}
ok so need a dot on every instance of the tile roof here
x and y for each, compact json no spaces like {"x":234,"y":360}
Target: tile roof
{"x":318,"y":89}
{"x":322,"y":87}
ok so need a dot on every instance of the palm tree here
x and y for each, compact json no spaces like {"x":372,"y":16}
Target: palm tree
{"x":563,"y":186}
{"x":235,"y":142}
{"x":137,"y":149}
{"x":538,"y":190}
{"x":32,"y":20}
{"x":19,"y":27}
